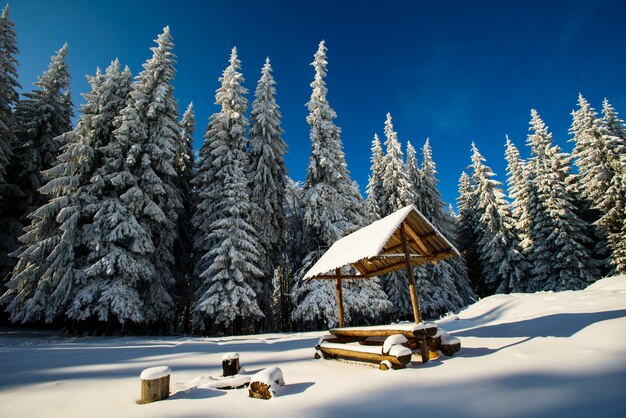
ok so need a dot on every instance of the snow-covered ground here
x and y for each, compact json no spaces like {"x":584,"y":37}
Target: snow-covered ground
{"x":532,"y":355}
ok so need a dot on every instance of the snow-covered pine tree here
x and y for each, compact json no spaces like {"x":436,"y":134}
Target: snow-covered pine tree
{"x":375,"y":183}
{"x":612,"y":205}
{"x":155,"y":198}
{"x":613,"y":129}
{"x":333,"y":206}
{"x":228,"y":246}
{"x":595,"y":164}
{"x":54,"y":249}
{"x":502,"y":263}
{"x":267,"y":180}
{"x":183,"y":250}
{"x":130,"y":269}
{"x":411,"y":167}
{"x":8,"y":91}
{"x":10,"y":227}
{"x":396,"y":186}
{"x":521,"y":192}
{"x":444,"y":287}
{"x":594,"y":171}
{"x":559,"y":258}
{"x":44,"y":114}
{"x":467,"y":220}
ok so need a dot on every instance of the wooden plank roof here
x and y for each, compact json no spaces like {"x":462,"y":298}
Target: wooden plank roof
{"x":377,"y":249}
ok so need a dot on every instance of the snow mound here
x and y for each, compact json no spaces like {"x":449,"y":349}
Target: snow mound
{"x":609,"y":283}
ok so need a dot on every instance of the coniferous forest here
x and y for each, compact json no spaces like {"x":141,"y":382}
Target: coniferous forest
{"x":112,"y":224}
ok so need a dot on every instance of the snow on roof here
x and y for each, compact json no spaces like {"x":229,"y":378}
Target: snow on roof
{"x":369,"y":242}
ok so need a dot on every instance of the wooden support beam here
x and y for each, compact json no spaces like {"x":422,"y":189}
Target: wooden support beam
{"x":339,"y":296}
{"x":409,"y":275}
{"x":335,"y":277}
{"x":417,"y":240}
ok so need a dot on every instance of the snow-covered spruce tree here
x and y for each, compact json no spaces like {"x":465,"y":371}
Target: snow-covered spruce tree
{"x":130,"y":269}
{"x":228,"y":246}
{"x":521,"y":192}
{"x":413,"y":173}
{"x":589,"y":154}
{"x":51,"y":258}
{"x":559,"y":258}
{"x":595,"y":164}
{"x":8,"y":91}
{"x":333,"y":208}
{"x":467,"y":220}
{"x":503,"y":265}
{"x":396,"y":193}
{"x":78,"y":298}
{"x":41,"y":116}
{"x":183,"y":250}
{"x":10,"y":226}
{"x":396,"y":186}
{"x":612,"y":205}
{"x":444,"y":287}
{"x":612,"y":129}
{"x":267,"y":181}
{"x":375,"y":183}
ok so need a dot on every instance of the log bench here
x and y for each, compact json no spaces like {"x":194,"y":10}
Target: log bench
{"x":365,"y":343}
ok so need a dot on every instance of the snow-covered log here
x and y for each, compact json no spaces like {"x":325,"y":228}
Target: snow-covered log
{"x":155,"y":384}
{"x":398,"y":356}
{"x":266,"y":383}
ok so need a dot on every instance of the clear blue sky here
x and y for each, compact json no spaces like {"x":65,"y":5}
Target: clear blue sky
{"x":451,"y":71}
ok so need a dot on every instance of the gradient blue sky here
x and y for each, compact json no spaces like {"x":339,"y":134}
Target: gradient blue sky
{"x":451,"y":71}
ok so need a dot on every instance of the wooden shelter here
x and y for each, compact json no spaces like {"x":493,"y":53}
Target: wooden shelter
{"x":399,"y":241}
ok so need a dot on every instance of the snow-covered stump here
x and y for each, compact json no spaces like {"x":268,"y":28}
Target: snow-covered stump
{"x":230,"y":364}
{"x":266,"y":383}
{"x":155,"y":384}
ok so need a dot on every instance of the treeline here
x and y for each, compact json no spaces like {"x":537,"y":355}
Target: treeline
{"x":114,"y":226}
{"x":562,"y":225}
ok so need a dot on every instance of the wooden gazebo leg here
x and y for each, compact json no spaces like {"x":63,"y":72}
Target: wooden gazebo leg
{"x":409,"y":276}
{"x":339,"y":297}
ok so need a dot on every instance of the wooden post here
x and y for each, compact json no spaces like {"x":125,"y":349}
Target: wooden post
{"x":339,"y":297}
{"x":155,"y":384}
{"x":409,"y":276}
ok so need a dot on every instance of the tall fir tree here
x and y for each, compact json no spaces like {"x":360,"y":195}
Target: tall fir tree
{"x":51,"y":260}
{"x":503,"y":265}
{"x":396,"y":186}
{"x":594,"y":171}
{"x":413,"y":173}
{"x":467,"y":220}
{"x":183,"y":250}
{"x":558,"y":253}
{"x":43,"y":115}
{"x":333,"y":206}
{"x":8,"y":92}
{"x":444,"y":287}
{"x":267,"y":180}
{"x":10,"y":227}
{"x":612,"y":204}
{"x":521,"y":192}
{"x":40,"y":117}
{"x":130,"y":268}
{"x":228,"y":247}
{"x":375,"y":183}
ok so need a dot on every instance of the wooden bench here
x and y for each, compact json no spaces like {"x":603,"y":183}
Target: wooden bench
{"x":367,"y":343}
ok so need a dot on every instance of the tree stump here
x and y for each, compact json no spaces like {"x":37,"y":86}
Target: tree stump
{"x":265,"y":383}
{"x":230,"y":364}
{"x":155,"y":384}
